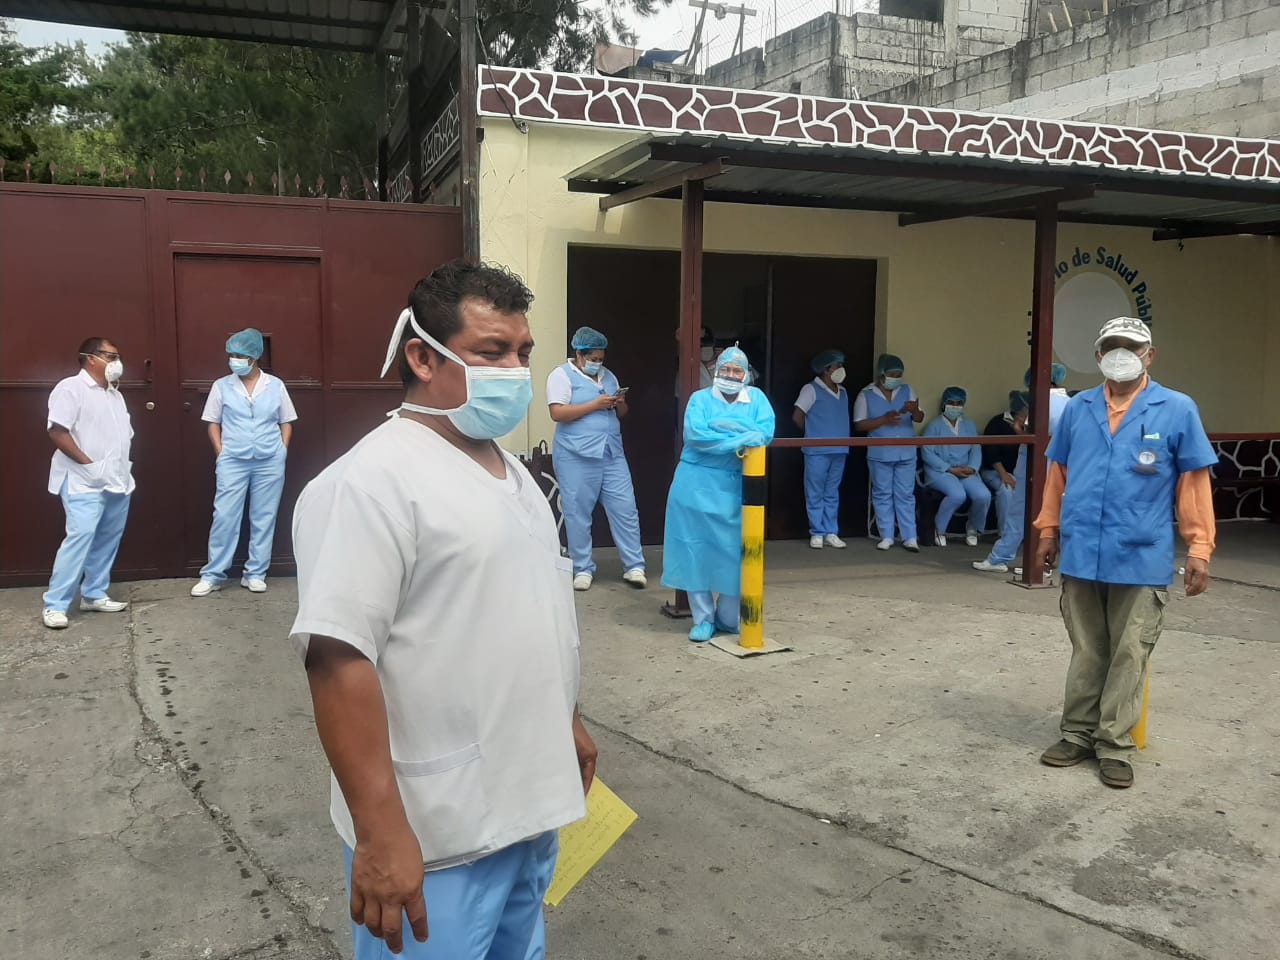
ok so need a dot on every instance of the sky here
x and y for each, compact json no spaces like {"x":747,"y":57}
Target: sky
{"x":670,"y":29}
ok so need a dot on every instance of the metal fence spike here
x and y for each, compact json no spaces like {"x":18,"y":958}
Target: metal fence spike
{"x":27,"y":167}
{"x":297,"y":184}
{"x":78,"y":172}
{"x":226,"y":179}
{"x":202,"y":176}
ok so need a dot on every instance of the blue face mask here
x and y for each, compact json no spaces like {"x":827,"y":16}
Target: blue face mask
{"x":892,"y":383}
{"x":497,"y":397}
{"x":239,"y":366}
{"x":952,"y":412}
{"x":592,"y":368}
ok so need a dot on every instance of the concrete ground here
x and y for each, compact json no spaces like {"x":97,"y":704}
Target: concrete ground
{"x":872,"y":794}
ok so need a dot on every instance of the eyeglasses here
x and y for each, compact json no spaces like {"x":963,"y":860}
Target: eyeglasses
{"x":109,"y":357}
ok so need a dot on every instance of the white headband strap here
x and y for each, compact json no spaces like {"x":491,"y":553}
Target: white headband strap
{"x":406,"y":317}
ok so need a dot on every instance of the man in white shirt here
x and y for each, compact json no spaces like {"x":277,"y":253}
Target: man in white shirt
{"x":436,"y":619}
{"x":91,"y":471}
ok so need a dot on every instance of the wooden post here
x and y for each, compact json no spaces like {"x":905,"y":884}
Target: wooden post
{"x":468,"y":93}
{"x":691,"y":219}
{"x":1042,"y":291}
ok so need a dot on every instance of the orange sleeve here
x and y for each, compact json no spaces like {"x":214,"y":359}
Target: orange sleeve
{"x":1195,"y":513}
{"x":1051,"y":507}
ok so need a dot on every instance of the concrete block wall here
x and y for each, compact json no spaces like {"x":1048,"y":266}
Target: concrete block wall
{"x":1210,"y":66}
{"x":850,"y":56}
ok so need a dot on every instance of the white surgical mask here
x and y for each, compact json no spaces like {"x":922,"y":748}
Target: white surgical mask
{"x":838,"y":375}
{"x":1121,"y":365}
{"x":114,"y":371}
{"x":497,"y":397}
{"x":892,"y":383}
{"x":239,"y":366}
{"x":592,"y":368}
{"x":729,"y":386}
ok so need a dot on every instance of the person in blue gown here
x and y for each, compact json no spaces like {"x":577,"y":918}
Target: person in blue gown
{"x":702,"y":544}
{"x":953,"y":469}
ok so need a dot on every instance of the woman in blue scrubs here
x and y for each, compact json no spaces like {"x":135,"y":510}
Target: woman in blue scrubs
{"x":952,"y":469}
{"x":822,"y":411}
{"x":587,"y":404}
{"x":889,"y":408}
{"x":702,"y":545}
{"x":250,"y":418}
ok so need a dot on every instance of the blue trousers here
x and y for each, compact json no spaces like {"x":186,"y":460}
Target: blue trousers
{"x":487,"y":910}
{"x":95,"y":524}
{"x":261,"y":482}
{"x":893,"y":492}
{"x":955,"y":492}
{"x":1010,"y":511}
{"x":822,"y":476}
{"x":586,"y":481}
{"x":723,"y":612}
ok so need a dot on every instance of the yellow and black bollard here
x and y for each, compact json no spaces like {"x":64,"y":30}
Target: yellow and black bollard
{"x":751,"y":629}
{"x":1139,"y":732}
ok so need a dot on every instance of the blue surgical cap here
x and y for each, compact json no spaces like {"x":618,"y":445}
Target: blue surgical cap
{"x":734,"y":355}
{"x":586,"y":339}
{"x":1018,"y":401}
{"x":955,"y":395}
{"x":248,"y":342}
{"x":1057,"y":375}
{"x":825,"y":359}
{"x":889,"y":362}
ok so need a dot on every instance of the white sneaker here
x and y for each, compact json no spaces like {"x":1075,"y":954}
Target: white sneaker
{"x":204,"y":587}
{"x":103,"y":605}
{"x":815,"y":543}
{"x":831,"y":540}
{"x":885,"y":544}
{"x":939,"y":539}
{"x":54,"y":619}
{"x":971,"y":538}
{"x":254,"y":585}
{"x":635,"y":577}
{"x":986,"y":566}
{"x":582,"y":582}
{"x":911,"y":545}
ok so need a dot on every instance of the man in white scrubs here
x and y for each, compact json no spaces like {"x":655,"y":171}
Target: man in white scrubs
{"x":92,"y":473}
{"x":436,"y":619}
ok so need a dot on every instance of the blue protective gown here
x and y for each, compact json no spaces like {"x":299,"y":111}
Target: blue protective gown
{"x":250,"y":467}
{"x":824,"y":466}
{"x":702,"y":549}
{"x":1117,"y":509}
{"x":956,"y":490}
{"x":591,"y":468}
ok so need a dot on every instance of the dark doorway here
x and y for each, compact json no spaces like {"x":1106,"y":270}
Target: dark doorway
{"x":782,"y":310}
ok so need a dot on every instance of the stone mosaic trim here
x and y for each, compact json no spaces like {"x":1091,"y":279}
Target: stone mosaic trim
{"x":1246,"y":460}
{"x":668,"y":108}
{"x":441,"y":141}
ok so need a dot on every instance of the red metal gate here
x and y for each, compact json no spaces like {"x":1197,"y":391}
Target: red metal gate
{"x":167,"y":276}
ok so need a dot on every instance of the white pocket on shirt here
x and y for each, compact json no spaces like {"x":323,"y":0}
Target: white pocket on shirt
{"x":92,"y":475}
{"x":445,"y":800}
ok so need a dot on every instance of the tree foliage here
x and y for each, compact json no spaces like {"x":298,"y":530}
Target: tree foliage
{"x":164,"y":102}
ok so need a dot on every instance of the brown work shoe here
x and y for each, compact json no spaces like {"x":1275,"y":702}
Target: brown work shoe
{"x":1115,"y":773}
{"x":1064,"y":753}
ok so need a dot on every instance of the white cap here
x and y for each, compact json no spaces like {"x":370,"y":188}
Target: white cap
{"x":1127,"y":328}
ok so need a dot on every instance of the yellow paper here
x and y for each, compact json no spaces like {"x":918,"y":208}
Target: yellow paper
{"x":584,"y":843}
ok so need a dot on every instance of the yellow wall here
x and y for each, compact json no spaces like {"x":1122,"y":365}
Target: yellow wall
{"x":954,"y":296}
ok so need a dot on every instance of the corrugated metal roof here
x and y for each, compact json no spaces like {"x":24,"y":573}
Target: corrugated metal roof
{"x":849,"y":177}
{"x":354,"y":25}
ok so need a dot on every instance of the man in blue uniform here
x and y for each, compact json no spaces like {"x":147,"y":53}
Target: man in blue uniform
{"x":822,"y":410}
{"x":1123,"y":454}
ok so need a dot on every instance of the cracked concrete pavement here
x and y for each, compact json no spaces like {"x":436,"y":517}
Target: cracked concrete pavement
{"x":873,"y":794}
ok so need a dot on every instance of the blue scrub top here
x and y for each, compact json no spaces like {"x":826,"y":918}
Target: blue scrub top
{"x":1117,"y":510}
{"x":597,"y":435}
{"x":878,"y":406}
{"x":828,"y":417}
{"x":938,"y":460}
{"x":250,"y":428}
